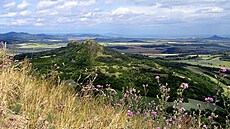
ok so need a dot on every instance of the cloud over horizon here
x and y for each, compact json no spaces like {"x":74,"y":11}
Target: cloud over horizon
{"x":134,"y":17}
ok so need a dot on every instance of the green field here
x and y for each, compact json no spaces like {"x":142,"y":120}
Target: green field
{"x":208,"y":60}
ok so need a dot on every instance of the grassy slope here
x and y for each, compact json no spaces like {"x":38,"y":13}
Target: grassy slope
{"x":27,"y":102}
{"x":30,"y":102}
{"x":119,"y":70}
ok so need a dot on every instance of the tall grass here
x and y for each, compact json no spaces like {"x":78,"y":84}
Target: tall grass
{"x":32,"y":102}
{"x":45,"y":102}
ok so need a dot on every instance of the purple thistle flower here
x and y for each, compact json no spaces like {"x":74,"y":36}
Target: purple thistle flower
{"x":228,"y":87}
{"x":157,"y":107}
{"x":210,"y":117}
{"x":154,"y":113}
{"x":99,"y":86}
{"x":130,"y":91}
{"x":157,"y":77}
{"x":145,"y":113}
{"x":209,"y":99}
{"x":180,"y":101}
{"x":158,"y":128}
{"x":163,"y":87}
{"x":183,"y":109}
{"x":138,"y":113}
{"x":223,"y":70}
{"x":184,"y":85}
{"x":130,"y":113}
{"x":61,"y":106}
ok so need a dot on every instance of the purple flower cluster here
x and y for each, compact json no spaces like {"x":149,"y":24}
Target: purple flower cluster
{"x":154,"y":113}
{"x":223,"y":70}
{"x":130,"y":113}
{"x":209,"y":99}
{"x":184,"y":85}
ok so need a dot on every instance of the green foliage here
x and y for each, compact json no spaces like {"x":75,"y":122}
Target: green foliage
{"x":119,"y":70}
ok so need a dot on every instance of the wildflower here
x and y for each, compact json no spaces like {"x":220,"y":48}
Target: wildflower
{"x":30,"y":64}
{"x":138,"y":113}
{"x":158,"y":128}
{"x":154,"y":113}
{"x":209,"y":99}
{"x":223,"y":70}
{"x":145,"y":113}
{"x":168,"y":89}
{"x":153,"y":102}
{"x":131,"y":91}
{"x":157,"y":107}
{"x":184,"y":85}
{"x":130,"y":113}
{"x":183,"y":109}
{"x":163,"y":87}
{"x":107,"y":85}
{"x":99,"y":86}
{"x":210,"y":117}
{"x":180,"y":101}
{"x":61,"y":106}
{"x":157,"y":77}
{"x":125,"y":95}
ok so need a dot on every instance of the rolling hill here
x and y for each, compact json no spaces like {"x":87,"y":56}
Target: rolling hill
{"x":79,"y":60}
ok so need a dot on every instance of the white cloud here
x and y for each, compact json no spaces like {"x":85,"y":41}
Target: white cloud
{"x":8,"y":15}
{"x":10,"y":5}
{"x":23,"y":5}
{"x":20,"y":22}
{"x":89,"y":14}
{"x":71,"y":4}
{"x":216,"y":9}
{"x":25,"y":13}
{"x":114,"y":12}
{"x":122,"y":11}
{"x":64,"y":20}
{"x":40,"y":20}
{"x":87,"y":3}
{"x":47,"y":12}
{"x":46,"y":4}
{"x":84,"y":19}
{"x":39,"y":24}
{"x":68,"y":4}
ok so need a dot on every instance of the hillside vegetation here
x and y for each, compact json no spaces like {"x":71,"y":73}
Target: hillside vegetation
{"x":31,"y":100}
{"x":78,"y":60}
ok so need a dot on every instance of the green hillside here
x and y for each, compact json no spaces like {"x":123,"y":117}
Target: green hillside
{"x":80,"y":61}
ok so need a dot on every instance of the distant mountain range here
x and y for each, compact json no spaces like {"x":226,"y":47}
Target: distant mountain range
{"x":215,"y":37}
{"x":23,"y":37}
{"x":26,"y":37}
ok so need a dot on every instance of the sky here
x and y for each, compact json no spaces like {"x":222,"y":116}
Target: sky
{"x":140,"y":18}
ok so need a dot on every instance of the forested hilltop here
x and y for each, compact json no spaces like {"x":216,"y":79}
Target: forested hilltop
{"x":79,"y":59}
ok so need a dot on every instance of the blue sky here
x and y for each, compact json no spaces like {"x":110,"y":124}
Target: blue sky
{"x":126,"y":17}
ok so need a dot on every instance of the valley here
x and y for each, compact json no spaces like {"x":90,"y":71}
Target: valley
{"x":132,"y":63}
